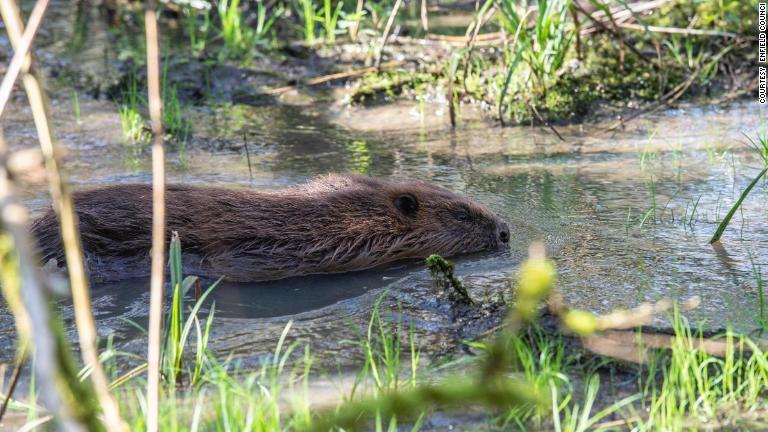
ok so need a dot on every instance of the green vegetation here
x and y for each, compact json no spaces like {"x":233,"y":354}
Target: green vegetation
{"x":442,"y":273}
{"x":241,"y":39}
{"x":134,"y":130}
{"x":533,"y":370}
{"x":761,"y":148}
{"x":76,"y":106}
{"x":552,"y":61}
{"x":553,"y":388}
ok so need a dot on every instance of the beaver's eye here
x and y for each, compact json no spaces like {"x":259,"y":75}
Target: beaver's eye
{"x":461,"y":216}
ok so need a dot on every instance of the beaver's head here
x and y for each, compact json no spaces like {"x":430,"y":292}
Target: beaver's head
{"x":386,"y":220}
{"x":435,"y":220}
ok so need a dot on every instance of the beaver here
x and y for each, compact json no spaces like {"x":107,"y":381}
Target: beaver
{"x":333,"y":223}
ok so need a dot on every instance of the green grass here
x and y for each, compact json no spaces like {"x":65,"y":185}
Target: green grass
{"x":243,"y":39}
{"x":542,"y":48}
{"x":762,"y":319}
{"x":524,"y":377}
{"x":131,"y":119}
{"x":760,"y":145}
{"x":305,"y":10}
{"x":678,"y":389}
{"x":75,"y":106}
{"x":198,"y":32}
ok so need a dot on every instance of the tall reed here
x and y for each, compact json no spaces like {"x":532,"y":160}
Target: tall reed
{"x":158,"y":217}
{"x":64,"y":207}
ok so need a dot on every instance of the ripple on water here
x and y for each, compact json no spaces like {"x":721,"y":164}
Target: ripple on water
{"x":585,"y":198}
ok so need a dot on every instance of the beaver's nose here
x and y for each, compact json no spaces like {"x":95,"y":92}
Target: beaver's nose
{"x":504,"y":233}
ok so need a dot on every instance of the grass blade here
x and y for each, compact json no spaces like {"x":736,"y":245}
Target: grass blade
{"x":724,"y":224}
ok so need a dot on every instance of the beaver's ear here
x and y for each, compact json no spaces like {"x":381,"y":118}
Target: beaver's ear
{"x":407,"y":204}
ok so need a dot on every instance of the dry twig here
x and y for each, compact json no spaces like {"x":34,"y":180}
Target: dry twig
{"x":684,"y":31}
{"x":385,"y":34}
{"x":667,"y":99}
{"x":21,"y":58}
{"x":335,"y":77}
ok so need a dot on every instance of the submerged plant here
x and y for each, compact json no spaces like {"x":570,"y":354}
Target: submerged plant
{"x":442,"y":275}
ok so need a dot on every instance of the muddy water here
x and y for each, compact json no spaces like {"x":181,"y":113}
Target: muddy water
{"x":591,"y":199}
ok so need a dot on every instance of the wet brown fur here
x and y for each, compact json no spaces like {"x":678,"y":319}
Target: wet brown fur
{"x":333,"y":223}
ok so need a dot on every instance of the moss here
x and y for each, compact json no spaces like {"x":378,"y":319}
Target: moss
{"x":442,"y":275}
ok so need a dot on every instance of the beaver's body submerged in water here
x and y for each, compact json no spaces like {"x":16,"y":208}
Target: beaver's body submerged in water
{"x":334,"y":223}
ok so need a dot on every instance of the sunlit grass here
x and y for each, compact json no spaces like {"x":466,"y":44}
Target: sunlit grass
{"x":131,"y":119}
{"x":241,"y":39}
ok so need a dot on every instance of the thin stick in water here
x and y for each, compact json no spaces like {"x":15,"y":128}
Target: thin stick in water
{"x":20,"y":360}
{"x":248,"y":156}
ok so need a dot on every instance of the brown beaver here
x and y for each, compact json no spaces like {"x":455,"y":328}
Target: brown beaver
{"x":334,"y":223}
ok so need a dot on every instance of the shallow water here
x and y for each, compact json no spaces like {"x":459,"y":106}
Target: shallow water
{"x":585,"y":198}
{"x":590,"y":198}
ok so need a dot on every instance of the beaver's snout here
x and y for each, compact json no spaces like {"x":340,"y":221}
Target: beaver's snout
{"x":503,"y":230}
{"x":504,"y":235}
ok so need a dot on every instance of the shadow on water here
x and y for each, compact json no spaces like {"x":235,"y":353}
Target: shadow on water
{"x":269,"y":299}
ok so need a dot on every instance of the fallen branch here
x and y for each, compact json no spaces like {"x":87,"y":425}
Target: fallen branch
{"x":615,"y":34}
{"x":667,"y":99}
{"x":684,"y":31}
{"x":462,"y":40}
{"x":335,"y":77}
{"x":622,"y":13}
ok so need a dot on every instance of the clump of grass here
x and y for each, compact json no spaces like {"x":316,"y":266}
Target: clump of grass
{"x":542,"y":49}
{"x":330,"y":18}
{"x":383,"y":351}
{"x":197,"y":32}
{"x":241,"y":39}
{"x":306,"y":14}
{"x":131,"y":119}
{"x":173,"y":119}
{"x":326,"y":14}
{"x":689,"y":388}
{"x":177,"y":328}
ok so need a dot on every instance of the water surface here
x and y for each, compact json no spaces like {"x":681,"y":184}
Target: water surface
{"x":616,"y":210}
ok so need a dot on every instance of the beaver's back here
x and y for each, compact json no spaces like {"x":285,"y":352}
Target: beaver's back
{"x":331,"y":224}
